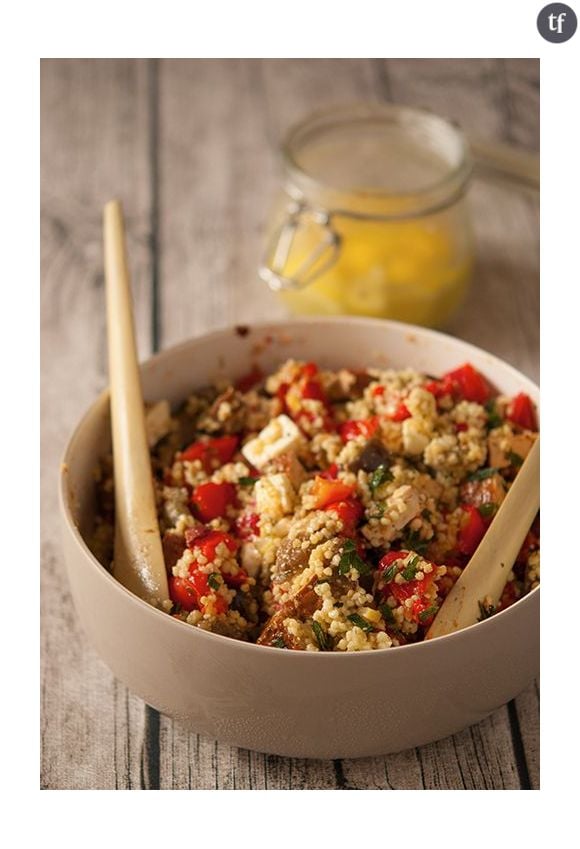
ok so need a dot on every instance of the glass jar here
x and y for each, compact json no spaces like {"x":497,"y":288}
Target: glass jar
{"x":372,"y":217}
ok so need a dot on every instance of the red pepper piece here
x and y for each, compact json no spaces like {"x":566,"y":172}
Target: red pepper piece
{"x":521,"y":411}
{"x":472,"y":530}
{"x":220,"y":449}
{"x":211,"y":500}
{"x":400,"y":414}
{"x":358,"y":427}
{"x":349,"y":511}
{"x":467,"y":384}
{"x":327,"y":491}
{"x":248,"y":525}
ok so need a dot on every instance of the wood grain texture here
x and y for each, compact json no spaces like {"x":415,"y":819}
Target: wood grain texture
{"x":93,"y":146}
{"x":189,"y":145}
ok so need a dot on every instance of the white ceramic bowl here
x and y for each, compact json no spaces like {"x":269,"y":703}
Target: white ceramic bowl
{"x":298,"y":704}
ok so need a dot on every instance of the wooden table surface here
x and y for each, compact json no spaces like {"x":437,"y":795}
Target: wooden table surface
{"x":189,"y":146}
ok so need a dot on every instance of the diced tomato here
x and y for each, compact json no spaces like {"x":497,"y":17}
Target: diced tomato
{"x":327,"y":491}
{"x":207,"y":540}
{"x":211,"y":500}
{"x":330,"y":473}
{"x":400,"y":414}
{"x":460,"y":427}
{"x":467,"y":384}
{"x":349,"y":512}
{"x":313,"y":390}
{"x":471,"y":531}
{"x":249,"y":380}
{"x":358,"y":427}
{"x":438,"y":388}
{"x":183,"y":592}
{"x":281,"y":393}
{"x":236,"y":581}
{"x":309,"y":370}
{"x":378,"y":391}
{"x":521,"y":412}
{"x":220,"y":449}
{"x":248,"y":525}
{"x":390,"y":558}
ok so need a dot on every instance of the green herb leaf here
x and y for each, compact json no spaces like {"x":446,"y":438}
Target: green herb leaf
{"x":493,"y":417}
{"x":486,"y":610}
{"x":360,"y":622}
{"x":279,"y":643}
{"x":487,"y":510}
{"x":387,"y":613}
{"x":321,"y":637}
{"x":411,"y":568}
{"x":414,"y":542}
{"x":390,"y":573}
{"x":381,"y":475}
{"x":515,"y":459}
{"x":482,"y":474}
{"x":350,"y":559}
{"x":247,"y":481}
{"x":428,"y":613}
{"x":214,"y":580}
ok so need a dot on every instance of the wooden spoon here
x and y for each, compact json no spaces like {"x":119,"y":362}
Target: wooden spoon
{"x":486,"y":573}
{"x":138,"y":558}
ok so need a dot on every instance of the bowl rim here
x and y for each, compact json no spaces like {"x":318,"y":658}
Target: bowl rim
{"x":241,"y":645}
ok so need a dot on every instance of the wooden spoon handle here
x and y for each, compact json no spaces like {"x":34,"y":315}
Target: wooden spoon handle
{"x":487,"y":571}
{"x":138,"y":559}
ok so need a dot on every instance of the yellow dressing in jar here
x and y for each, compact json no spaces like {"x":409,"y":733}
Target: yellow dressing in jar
{"x":372,"y":220}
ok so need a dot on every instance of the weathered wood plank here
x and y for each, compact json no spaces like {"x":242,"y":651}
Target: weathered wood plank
{"x":93,"y":147}
{"x":528,"y":712}
{"x":522,"y":93}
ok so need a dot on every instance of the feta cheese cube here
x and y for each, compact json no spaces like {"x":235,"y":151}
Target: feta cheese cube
{"x":275,"y":496}
{"x":280,"y":435}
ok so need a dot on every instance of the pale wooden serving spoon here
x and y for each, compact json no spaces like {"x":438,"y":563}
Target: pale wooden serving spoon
{"x":486,"y":573}
{"x":138,"y":557}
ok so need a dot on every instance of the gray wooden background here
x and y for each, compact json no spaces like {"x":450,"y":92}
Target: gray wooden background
{"x":189,"y":146}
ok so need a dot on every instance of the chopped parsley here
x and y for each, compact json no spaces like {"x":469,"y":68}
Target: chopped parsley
{"x":390,"y":573}
{"x":247,"y":481}
{"x":360,"y":622}
{"x":214,"y":580}
{"x":279,"y":643}
{"x":486,"y":610}
{"x":411,"y":568}
{"x":414,"y":542}
{"x":350,"y":559}
{"x":487,"y":510}
{"x":493,"y":417}
{"x":381,"y":475}
{"x":387,"y":613}
{"x":482,"y":474}
{"x":428,"y":613}
{"x":515,"y":459}
{"x":321,"y":637}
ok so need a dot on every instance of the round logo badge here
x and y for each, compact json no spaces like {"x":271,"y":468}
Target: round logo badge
{"x":557,"y":22}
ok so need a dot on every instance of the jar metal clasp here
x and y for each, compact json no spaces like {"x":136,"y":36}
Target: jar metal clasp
{"x":320,"y":259}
